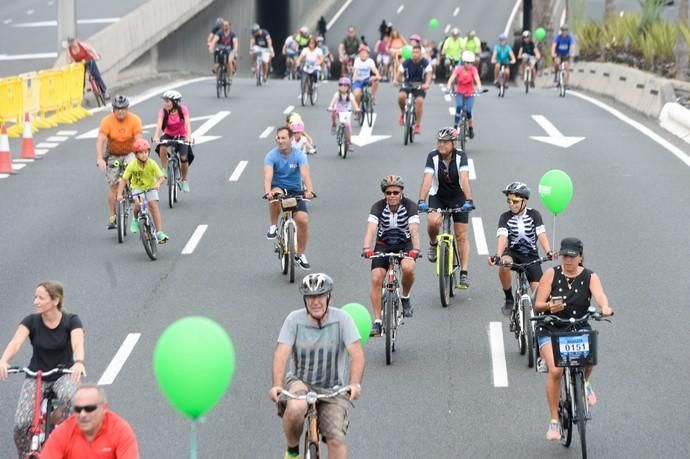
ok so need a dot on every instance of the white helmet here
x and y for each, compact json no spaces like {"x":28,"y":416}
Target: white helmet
{"x":468,"y":56}
{"x":525,"y":33}
{"x":172,"y":95}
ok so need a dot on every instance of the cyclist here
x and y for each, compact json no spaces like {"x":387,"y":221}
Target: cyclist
{"x":343,"y":100}
{"x":79,"y":51}
{"x":466,"y":78}
{"x":502,"y":55}
{"x":528,"y":55}
{"x":92,"y":431}
{"x":473,"y":43}
{"x":364,"y":72}
{"x":447,"y":184}
{"x":393,"y":226}
{"x":451,"y":51}
{"x":116,"y":134}
{"x":560,"y":51}
{"x":144,"y":174}
{"x":261,"y":47}
{"x":217,"y":27}
{"x":327,"y":57}
{"x":576,"y":285}
{"x":229,"y":51}
{"x":174,"y":122}
{"x":286,"y":169}
{"x":309,"y":338}
{"x":302,"y":37}
{"x":301,"y":140}
{"x":291,"y":52}
{"x":519,"y":231}
{"x":347,"y":49}
{"x":416,"y":39}
{"x":311,"y":57}
{"x":57,"y":338}
{"x":430,"y":50}
{"x":416,"y":70}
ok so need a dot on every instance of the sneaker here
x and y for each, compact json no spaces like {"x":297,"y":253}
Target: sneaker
{"x":376,"y":328}
{"x":162,"y":237}
{"x":541,"y":366}
{"x":112,"y":222}
{"x":408,"y":311}
{"x":431,"y":253}
{"x":471,"y":132}
{"x":591,"y":396}
{"x":464,"y":281}
{"x":272,"y":232}
{"x":302,"y":261}
{"x":507,"y":307}
{"x":185,"y":186}
{"x":554,"y":432}
{"x":531,"y":84}
{"x":496,"y":83}
{"x":134,"y":226}
{"x":290,"y":456}
{"x":417,"y":129}
{"x":401,"y":121}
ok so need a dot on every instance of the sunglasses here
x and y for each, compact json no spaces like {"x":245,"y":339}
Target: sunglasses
{"x":344,"y":85}
{"x":87,"y":408}
{"x":392,"y":193}
{"x":513,"y":201}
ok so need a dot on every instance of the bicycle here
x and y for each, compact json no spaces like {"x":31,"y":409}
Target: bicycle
{"x":390,"y":300}
{"x":410,"y":117}
{"x":95,"y":88}
{"x":173,"y":169}
{"x":522,"y":313}
{"x":261,"y":56}
{"x":462,"y":124}
{"x":501,"y":82}
{"x":285,"y":244}
{"x":366,"y":105}
{"x":573,"y":350}
{"x":312,"y":436}
{"x":147,"y":228}
{"x":309,"y":89}
{"x":343,"y":132}
{"x":123,"y":208}
{"x":527,"y":74}
{"x":44,"y":404}
{"x":448,"y":260}
{"x":290,"y":67}
{"x":560,"y":82}
{"x":223,"y":81}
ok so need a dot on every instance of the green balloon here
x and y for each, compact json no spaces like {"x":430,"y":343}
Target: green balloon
{"x":433,"y":23}
{"x":555,"y":190}
{"x":406,"y":52}
{"x":360,"y":315}
{"x":540,"y":34}
{"x":193,"y":362}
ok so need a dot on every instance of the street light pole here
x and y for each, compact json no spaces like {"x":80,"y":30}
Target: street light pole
{"x":66,"y":21}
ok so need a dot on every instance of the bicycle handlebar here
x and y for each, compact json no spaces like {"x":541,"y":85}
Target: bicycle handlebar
{"x":400,"y":255}
{"x":174,"y":140}
{"x":277,"y":197}
{"x":312,"y":397}
{"x":550,"y":319}
{"x":522,"y":266}
{"x":33,"y":374}
{"x":454,"y":210}
{"x":474,"y":94}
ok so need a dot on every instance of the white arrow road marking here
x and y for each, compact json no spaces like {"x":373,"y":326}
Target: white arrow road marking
{"x":479,"y":237}
{"x":554,"y":136}
{"x":93,"y":133}
{"x":194,"y":240}
{"x":498,"y":355}
{"x":266,"y":132}
{"x":365,"y":136}
{"x":238,"y":171}
{"x":199,"y":136}
{"x":119,"y":360}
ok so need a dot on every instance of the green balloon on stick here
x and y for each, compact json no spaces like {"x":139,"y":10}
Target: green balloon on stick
{"x":406,"y":52}
{"x":433,"y":23}
{"x":360,"y":315}
{"x":194,"y":361}
{"x":540,"y":34}
{"x":555,"y":190}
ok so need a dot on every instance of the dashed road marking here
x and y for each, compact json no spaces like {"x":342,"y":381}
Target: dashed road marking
{"x":446,"y":29}
{"x":238,"y":171}
{"x":451,"y":110}
{"x":266,"y":132}
{"x":46,"y":145}
{"x":456,"y":11}
{"x":7,"y":21}
{"x":69,"y":133}
{"x":479,"y":237}
{"x":56,"y":138}
{"x":498,"y":355}
{"x":447,"y":97}
{"x":18,"y":167}
{"x":288,"y":110}
{"x":119,"y":360}
{"x":194,"y":240}
{"x":30,"y":12}
{"x":40,"y":151}
{"x":400,"y":8}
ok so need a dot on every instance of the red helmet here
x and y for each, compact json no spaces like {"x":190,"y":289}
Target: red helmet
{"x":140,"y":145}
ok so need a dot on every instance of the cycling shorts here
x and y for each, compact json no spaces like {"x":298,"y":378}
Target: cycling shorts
{"x":435,"y":202}
{"x":265,"y":53}
{"x":359,"y":84}
{"x":383,"y":262}
{"x":186,"y":154}
{"x":383,"y":59}
{"x":415,"y":92}
{"x":534,"y":272}
{"x":529,"y":58}
{"x":151,"y":195}
{"x":503,"y":61}
{"x":301,"y":204}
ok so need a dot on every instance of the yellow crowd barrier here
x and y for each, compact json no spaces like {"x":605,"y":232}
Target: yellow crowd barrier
{"x":74,"y":84}
{"x":30,"y":95}
{"x":11,"y":103}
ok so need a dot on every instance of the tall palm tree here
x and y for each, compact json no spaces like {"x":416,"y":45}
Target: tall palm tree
{"x":681,"y":47}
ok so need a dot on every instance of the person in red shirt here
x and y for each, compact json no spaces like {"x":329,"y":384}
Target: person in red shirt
{"x":92,"y":431}
{"x":78,"y":51}
{"x":466,"y":78}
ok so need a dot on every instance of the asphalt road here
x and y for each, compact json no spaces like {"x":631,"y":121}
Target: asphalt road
{"x":439,"y":397}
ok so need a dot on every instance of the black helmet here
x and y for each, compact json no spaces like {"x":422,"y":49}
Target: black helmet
{"x":120,"y":101}
{"x":517,"y":189}
{"x":447,"y":133}
{"x":392,"y":180}
{"x":219,"y":22}
{"x":316,"y":284}
{"x":255,"y":28}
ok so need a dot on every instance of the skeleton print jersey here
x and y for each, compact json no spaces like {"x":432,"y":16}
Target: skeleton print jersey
{"x":522,"y":230}
{"x":393,"y":227}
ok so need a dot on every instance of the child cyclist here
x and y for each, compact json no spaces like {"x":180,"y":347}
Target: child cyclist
{"x":300,"y":139}
{"x":144,"y":175}
{"x":343,"y":100}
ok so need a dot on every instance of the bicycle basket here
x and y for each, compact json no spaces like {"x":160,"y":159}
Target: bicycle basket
{"x":575,"y":349}
{"x":344,"y":117}
{"x":288,"y":203}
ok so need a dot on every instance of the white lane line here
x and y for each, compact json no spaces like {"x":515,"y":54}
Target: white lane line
{"x":498,"y":355}
{"x":67,"y":133}
{"x":479,"y":237}
{"x":54,"y":23}
{"x":20,"y":160}
{"x":677,"y":152}
{"x":238,"y":171}
{"x":456,"y":11}
{"x":2,"y":176}
{"x":288,"y":110}
{"x":400,"y":8}
{"x":51,"y":3}
{"x":451,"y":110}
{"x":119,"y":360}
{"x":24,"y":57}
{"x":46,"y":145}
{"x":194,"y":240}
{"x":40,"y":151}
{"x":447,"y":28}
{"x":511,"y":18}
{"x":7,"y":21}
{"x":56,"y":138}
{"x":473,"y":172}
{"x":337,"y":15}
{"x":30,"y":12}
{"x":266,"y":132}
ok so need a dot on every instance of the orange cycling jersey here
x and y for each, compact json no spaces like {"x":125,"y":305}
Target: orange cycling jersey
{"x":121,"y":134}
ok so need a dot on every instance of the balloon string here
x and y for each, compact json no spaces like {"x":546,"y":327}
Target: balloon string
{"x":554,"y":232}
{"x":193,"y":454}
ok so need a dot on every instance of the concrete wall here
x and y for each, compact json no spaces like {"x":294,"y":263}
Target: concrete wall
{"x":308,"y":12}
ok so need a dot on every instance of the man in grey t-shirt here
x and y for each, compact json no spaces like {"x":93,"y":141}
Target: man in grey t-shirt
{"x":315,"y":340}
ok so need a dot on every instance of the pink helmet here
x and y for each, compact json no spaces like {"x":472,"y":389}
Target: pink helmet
{"x":416,"y":37}
{"x":297,"y":127}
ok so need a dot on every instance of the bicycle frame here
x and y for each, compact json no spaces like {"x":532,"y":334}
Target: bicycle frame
{"x":446,"y":237}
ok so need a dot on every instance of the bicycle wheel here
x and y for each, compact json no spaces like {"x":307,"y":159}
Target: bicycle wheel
{"x":413,"y":120}
{"x":313,"y":93}
{"x":388,"y":324}
{"x":370,"y":112}
{"x":303,"y":94}
{"x":177,"y":182}
{"x":281,"y":249}
{"x":121,"y":217}
{"x":526,"y":305}
{"x":501,"y":88}
{"x":340,"y":139}
{"x":443,"y":273}
{"x":527,"y":80}
{"x":226,"y":86}
{"x":290,"y":252}
{"x":561,"y":83}
{"x":219,"y":80}
{"x":363,"y":108}
{"x":463,"y":130}
{"x":172,"y":184}
{"x":312,"y":452}
{"x":519,"y":330}
{"x":580,"y":410}
{"x":565,"y":414}
{"x":148,"y":238}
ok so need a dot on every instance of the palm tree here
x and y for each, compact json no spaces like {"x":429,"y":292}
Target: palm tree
{"x":681,"y":48}
{"x":609,"y":8}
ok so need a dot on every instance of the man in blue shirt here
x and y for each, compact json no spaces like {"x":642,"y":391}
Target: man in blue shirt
{"x":286,"y":170}
{"x":502,"y":55}
{"x":560,"y":51}
{"x":417,"y":71}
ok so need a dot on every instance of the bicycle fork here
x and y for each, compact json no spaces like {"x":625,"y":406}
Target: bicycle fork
{"x":447,"y":240}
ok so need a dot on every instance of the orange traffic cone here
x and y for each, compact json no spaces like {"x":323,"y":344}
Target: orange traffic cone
{"x":5,"y":155}
{"x":28,"y":151}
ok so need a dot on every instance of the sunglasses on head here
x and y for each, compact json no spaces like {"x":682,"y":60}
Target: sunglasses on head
{"x":392,"y":193}
{"x":513,"y":201}
{"x":87,"y":408}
